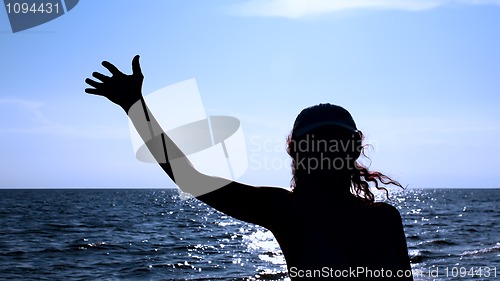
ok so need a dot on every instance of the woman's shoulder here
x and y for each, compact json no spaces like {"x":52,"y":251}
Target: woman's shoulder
{"x":384,"y":207}
{"x":386,"y":212}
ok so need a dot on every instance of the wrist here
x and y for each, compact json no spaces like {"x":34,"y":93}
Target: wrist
{"x":126,"y":106}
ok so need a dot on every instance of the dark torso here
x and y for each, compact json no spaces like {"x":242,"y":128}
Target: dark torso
{"x":337,"y":235}
{"x":318,"y":231}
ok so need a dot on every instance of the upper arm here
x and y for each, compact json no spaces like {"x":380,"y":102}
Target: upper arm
{"x":253,"y":204}
{"x":389,"y":241}
{"x":258,"y":205}
{"x":395,"y":248}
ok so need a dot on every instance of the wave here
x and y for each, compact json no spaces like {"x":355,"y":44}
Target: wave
{"x":419,"y":256}
{"x":438,"y":242}
{"x":97,"y":246}
{"x":492,"y":249}
{"x":13,"y":253}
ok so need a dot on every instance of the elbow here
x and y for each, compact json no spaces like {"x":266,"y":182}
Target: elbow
{"x":191,"y":181}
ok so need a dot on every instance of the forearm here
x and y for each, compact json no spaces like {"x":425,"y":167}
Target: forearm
{"x":169,"y":155}
{"x":162,"y":147}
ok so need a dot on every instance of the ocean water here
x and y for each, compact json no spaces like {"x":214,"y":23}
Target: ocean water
{"x":149,"y":234}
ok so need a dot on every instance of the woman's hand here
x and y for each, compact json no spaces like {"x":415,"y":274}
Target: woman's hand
{"x":122,"y":89}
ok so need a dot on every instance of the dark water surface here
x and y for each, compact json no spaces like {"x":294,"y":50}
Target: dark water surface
{"x":149,"y":234}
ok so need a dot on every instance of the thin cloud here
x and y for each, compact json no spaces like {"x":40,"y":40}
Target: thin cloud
{"x":21,"y":116}
{"x":306,"y":8}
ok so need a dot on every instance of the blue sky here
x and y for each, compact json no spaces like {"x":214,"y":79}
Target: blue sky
{"x":421,"y":78}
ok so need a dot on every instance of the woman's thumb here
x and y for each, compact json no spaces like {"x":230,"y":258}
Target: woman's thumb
{"x":136,"y":67}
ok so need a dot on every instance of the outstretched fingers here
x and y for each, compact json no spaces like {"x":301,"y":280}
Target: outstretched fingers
{"x":94,"y":84}
{"x":112,"y":69}
{"x":92,"y":91}
{"x":100,"y":76}
{"x":112,"y":85}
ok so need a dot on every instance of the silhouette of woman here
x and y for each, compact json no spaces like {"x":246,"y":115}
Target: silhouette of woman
{"x":328,"y":225}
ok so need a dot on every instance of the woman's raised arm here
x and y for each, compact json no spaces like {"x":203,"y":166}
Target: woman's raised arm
{"x":244,"y":202}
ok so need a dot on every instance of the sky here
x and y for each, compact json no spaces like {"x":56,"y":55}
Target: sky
{"x":421,"y":79}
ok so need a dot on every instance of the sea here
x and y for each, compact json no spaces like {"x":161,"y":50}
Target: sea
{"x":152,"y":234}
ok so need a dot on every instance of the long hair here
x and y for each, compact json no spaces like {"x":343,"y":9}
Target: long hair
{"x":360,"y":175}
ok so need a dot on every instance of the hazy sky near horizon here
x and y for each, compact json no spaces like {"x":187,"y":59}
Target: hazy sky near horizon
{"x":421,"y":78}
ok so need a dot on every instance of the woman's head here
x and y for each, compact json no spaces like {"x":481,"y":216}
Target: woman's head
{"x":323,"y":114}
{"x":325,"y":130}
{"x":325,"y":143}
{"x":324,"y":140}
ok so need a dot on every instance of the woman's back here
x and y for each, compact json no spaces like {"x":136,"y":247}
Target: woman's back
{"x":339,"y":234}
